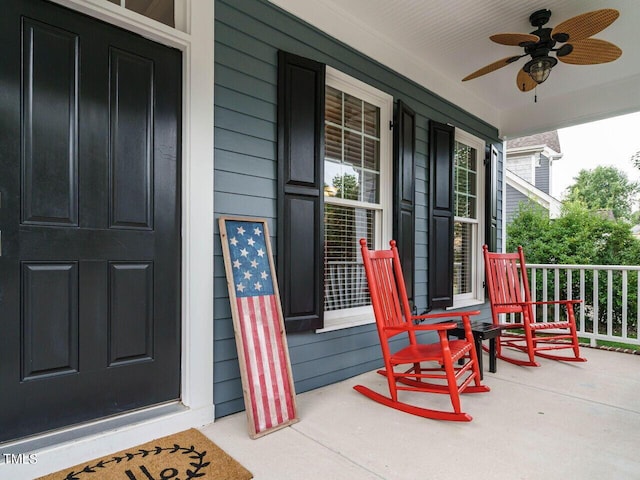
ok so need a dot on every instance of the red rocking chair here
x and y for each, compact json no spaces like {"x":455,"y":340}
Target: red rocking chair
{"x":454,"y":363}
{"x":509,"y":293}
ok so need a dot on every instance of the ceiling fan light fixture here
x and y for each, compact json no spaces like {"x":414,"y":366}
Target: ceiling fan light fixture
{"x":583,"y":50}
{"x":539,"y":68}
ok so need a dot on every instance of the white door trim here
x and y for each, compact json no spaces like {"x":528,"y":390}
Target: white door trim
{"x":197,"y":406}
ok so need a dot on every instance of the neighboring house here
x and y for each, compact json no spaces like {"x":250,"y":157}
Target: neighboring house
{"x":528,"y":173}
{"x":120,"y":265}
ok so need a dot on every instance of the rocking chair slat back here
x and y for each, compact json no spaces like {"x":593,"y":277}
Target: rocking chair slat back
{"x":387,"y":289}
{"x":508,"y":284}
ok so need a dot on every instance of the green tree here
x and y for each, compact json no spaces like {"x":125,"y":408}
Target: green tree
{"x":530,"y":228}
{"x":635,"y":159}
{"x":579,"y":237}
{"x":604,"y":189}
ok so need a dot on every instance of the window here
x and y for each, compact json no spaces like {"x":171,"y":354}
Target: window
{"x":468,"y":225}
{"x":357,"y":192}
{"x":164,"y":11}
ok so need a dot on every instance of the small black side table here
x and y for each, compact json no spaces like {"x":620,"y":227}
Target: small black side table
{"x":481,"y":331}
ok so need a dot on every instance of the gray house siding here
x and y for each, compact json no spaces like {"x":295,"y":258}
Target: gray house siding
{"x":542,"y":175}
{"x":514,"y":198}
{"x":248,"y":35}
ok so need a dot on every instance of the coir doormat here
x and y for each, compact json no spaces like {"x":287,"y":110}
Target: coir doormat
{"x":185,"y":455}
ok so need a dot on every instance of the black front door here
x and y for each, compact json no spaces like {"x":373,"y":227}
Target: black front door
{"x":89,"y":219}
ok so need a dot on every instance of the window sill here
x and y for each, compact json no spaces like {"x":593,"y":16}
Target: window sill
{"x":331,"y":325}
{"x":469,"y":302}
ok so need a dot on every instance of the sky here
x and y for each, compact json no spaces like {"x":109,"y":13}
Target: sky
{"x":609,"y":142}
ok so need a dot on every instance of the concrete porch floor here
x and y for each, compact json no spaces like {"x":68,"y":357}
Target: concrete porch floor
{"x":558,"y":421}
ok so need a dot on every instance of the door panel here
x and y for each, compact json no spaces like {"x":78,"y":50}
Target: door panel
{"x":131,"y":167}
{"x":90,"y":219}
{"x":130,"y":312}
{"x":50,"y":310}
{"x":49,"y":128}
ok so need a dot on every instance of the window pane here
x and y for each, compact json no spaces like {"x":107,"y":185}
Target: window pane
{"x":462,"y":153}
{"x":350,"y":187}
{"x":353,"y":148}
{"x":371,"y":157}
{"x":462,"y":257}
{"x":352,"y":112}
{"x":471,"y":207}
{"x":333,"y":142}
{"x":332,"y":174}
{"x":463,"y":181}
{"x":371,"y":187}
{"x":345,"y":281}
{"x":333,"y":105}
{"x":371,"y":120}
{"x":460,"y":207}
{"x":472,"y":183}
{"x":160,"y":10}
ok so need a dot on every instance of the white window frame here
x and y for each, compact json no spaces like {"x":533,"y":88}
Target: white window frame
{"x":476,"y":296}
{"x":351,"y":317}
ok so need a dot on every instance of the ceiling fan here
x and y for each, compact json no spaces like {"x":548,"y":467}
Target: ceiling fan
{"x":577,"y":49}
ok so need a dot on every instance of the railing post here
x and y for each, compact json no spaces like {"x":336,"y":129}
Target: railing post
{"x":624,"y":303}
{"x":583,"y":323}
{"x":545,"y":296}
{"x":556,"y":293}
{"x":638,"y":305}
{"x":609,"y":302}
{"x":593,"y":342}
{"x":534,"y":290}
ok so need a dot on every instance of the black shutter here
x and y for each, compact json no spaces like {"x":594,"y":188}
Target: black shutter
{"x":491,"y":186}
{"x":300,"y":193}
{"x":404,"y":192}
{"x":441,"y":217}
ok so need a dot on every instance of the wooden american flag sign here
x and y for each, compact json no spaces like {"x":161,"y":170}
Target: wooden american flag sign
{"x":265,"y":368}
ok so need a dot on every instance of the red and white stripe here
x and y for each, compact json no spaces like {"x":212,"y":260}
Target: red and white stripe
{"x":269,"y":387}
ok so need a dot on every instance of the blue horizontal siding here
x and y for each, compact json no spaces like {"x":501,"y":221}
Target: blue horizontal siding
{"x":248,"y":35}
{"x":240,"y":101}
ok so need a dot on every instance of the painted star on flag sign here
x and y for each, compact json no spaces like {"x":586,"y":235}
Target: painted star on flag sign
{"x":248,"y":252}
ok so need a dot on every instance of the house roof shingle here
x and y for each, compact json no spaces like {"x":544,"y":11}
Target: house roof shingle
{"x":550,"y":139}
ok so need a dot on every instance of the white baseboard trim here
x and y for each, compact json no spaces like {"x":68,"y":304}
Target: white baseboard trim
{"x":65,"y":448}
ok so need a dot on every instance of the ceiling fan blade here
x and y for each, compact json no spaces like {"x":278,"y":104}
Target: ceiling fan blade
{"x":491,"y":67}
{"x":591,"y":51}
{"x":514,"y":39}
{"x":524,"y":81}
{"x":585,"y":25}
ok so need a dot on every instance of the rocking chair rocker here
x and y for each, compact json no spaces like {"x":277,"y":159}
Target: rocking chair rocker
{"x":509,"y":293}
{"x":393,"y":318}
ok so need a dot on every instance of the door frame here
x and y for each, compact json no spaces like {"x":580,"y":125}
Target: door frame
{"x":196,"y":407}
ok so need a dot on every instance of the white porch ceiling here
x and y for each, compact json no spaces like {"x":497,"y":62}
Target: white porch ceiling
{"x":438,"y":42}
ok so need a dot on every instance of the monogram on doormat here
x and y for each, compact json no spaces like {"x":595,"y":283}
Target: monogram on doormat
{"x":185,"y":455}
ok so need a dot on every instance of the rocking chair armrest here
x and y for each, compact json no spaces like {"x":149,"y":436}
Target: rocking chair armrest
{"x":428,"y":316}
{"x":435,"y":326}
{"x":428,"y":327}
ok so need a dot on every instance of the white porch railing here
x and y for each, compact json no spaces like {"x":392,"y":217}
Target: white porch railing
{"x":611,"y":295}
{"x":611,"y":298}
